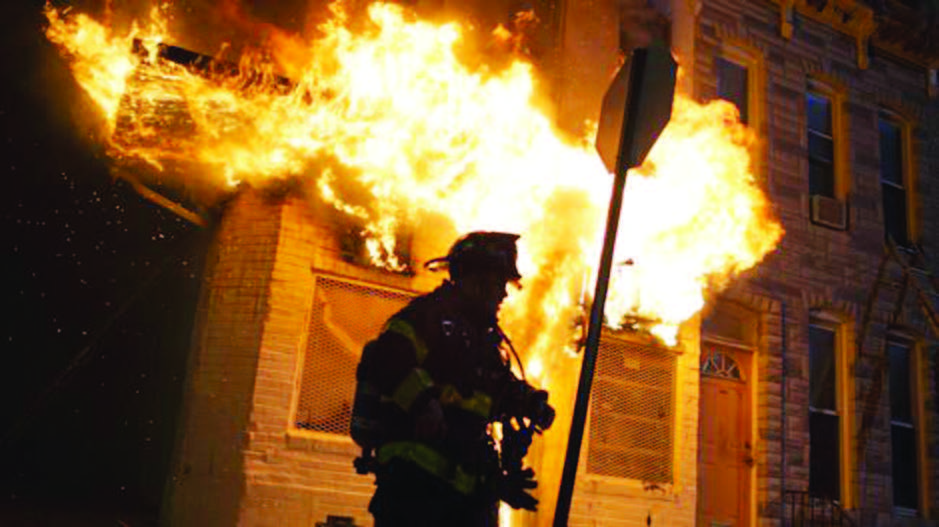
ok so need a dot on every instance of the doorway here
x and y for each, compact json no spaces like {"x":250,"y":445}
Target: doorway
{"x":725,"y":443}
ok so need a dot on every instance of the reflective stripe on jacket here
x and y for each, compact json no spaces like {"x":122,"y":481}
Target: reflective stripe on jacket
{"x":432,"y":462}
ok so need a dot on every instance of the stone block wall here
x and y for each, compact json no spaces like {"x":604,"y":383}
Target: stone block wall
{"x":817,"y":269}
{"x":207,"y":479}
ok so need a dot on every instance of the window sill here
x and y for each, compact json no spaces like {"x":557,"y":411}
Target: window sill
{"x":606,"y":487}
{"x":903,"y":512}
{"x":310,"y":441}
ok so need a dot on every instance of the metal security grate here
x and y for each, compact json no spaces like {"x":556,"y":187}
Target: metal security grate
{"x":345,"y":316}
{"x":632,"y":412}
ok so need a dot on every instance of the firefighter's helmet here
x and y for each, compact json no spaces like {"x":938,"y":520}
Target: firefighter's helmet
{"x":480,"y":251}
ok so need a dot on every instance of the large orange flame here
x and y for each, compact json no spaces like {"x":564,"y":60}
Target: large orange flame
{"x":392,"y":112}
{"x":390,"y":126}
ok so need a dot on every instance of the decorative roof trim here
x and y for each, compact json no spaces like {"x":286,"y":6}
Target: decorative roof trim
{"x":847,"y":16}
{"x":898,"y":50}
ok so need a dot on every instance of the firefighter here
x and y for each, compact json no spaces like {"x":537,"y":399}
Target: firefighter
{"x":429,"y":388}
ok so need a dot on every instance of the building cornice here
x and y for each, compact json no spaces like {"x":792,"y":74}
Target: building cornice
{"x":894,"y":31}
{"x":846,"y":16}
{"x":907,"y":34}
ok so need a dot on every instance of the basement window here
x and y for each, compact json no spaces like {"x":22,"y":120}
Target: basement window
{"x":345,"y":316}
{"x":632,"y":413}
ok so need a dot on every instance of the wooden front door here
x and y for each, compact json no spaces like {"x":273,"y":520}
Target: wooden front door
{"x":725,"y":452}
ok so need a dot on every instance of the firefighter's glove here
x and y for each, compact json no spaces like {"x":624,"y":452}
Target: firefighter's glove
{"x":515,"y":443}
{"x":429,"y":422}
{"x":512,"y":487}
{"x":542,"y":413}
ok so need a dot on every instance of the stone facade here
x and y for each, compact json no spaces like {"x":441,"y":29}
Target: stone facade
{"x":822,"y":272}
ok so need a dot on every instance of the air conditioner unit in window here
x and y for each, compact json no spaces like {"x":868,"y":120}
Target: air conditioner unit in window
{"x":830,"y":212}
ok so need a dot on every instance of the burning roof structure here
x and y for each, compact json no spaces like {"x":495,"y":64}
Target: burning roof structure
{"x":389,"y":122}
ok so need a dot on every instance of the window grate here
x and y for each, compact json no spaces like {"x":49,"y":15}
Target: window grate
{"x":632,"y":413}
{"x":345,"y":316}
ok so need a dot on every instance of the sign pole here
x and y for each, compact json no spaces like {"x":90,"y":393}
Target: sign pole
{"x":590,"y":356}
{"x":638,"y":116}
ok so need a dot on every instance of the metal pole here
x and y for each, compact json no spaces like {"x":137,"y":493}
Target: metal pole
{"x":652,"y":113}
{"x":590,"y":356}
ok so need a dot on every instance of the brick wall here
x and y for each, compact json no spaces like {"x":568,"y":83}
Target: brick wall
{"x":297,"y":477}
{"x":239,"y":461}
{"x":816,"y":268}
{"x":207,"y":482}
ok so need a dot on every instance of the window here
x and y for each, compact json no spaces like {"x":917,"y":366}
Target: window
{"x":824,"y":414}
{"x":345,"y":316}
{"x":902,"y":428}
{"x":821,"y":145}
{"x":892,"y":180}
{"x":732,"y":83}
{"x":632,"y":412}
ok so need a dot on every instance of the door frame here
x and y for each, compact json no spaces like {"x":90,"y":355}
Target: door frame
{"x":752,"y":389}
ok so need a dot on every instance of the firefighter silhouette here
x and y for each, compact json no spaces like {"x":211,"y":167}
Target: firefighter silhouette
{"x":429,"y":387}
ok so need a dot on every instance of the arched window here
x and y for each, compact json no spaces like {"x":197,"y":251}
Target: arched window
{"x":717,"y":364}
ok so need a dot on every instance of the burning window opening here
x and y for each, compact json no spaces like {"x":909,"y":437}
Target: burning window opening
{"x":245,"y":76}
{"x":335,"y":337}
{"x":357,"y":247}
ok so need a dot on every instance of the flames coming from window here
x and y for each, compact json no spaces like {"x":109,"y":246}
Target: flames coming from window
{"x":391,"y":125}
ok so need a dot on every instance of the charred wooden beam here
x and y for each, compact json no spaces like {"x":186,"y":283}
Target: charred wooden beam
{"x":163,"y":201}
{"x":213,"y":67}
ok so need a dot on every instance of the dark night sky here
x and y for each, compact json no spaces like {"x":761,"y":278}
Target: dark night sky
{"x":99,"y":289}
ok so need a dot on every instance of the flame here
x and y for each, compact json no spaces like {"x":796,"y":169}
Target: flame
{"x":391,"y":127}
{"x":391,"y":124}
{"x":100,"y":61}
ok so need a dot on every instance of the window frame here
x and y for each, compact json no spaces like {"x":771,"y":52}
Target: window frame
{"x":748,"y":56}
{"x":672,"y":355}
{"x":904,"y":127}
{"x":917,"y":384}
{"x":836,"y":95}
{"x":844,"y":400}
{"x":745,"y":94}
{"x":318,"y":277}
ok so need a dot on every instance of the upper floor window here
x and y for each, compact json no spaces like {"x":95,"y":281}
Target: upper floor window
{"x":903,"y":428}
{"x":893,"y":180}
{"x":732,"y":85}
{"x":821,"y":145}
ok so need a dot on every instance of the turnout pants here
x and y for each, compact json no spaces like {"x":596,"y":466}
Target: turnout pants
{"x":407,"y":496}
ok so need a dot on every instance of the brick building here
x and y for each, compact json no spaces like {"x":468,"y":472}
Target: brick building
{"x":804,"y":393}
